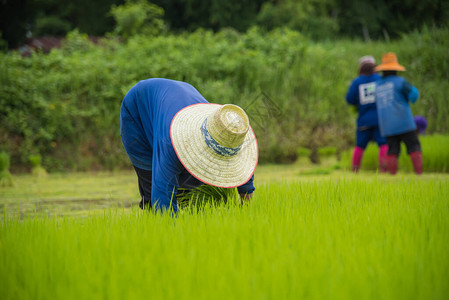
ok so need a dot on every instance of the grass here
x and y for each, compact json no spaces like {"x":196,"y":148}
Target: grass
{"x":69,"y":194}
{"x":339,"y":236}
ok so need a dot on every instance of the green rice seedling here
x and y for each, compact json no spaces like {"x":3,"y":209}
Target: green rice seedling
{"x":345,"y":237}
{"x":328,"y":156}
{"x":36,"y":166}
{"x":435,"y":151}
{"x":327,"y":151}
{"x":205,"y":195}
{"x":303,"y":156}
{"x":317,"y":171}
{"x":303,"y":152}
{"x":5,"y":175}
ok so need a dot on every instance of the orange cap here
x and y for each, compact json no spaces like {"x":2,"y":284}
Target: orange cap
{"x":390,"y":63}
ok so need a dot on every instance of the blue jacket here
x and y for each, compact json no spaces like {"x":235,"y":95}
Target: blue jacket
{"x":393,"y":94}
{"x":145,"y":117}
{"x":361,"y":94}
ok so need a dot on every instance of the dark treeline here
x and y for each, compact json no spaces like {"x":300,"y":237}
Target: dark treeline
{"x":318,"y":19}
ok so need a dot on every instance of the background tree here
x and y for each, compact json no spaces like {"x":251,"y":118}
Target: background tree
{"x":389,"y":18}
{"x":314,"y":18}
{"x":22,"y":18}
{"x":15,"y":19}
{"x":137,"y":17}
{"x":319,"y":19}
{"x":353,"y":18}
{"x":211,"y":14}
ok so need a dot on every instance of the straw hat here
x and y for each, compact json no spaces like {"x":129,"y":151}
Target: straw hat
{"x":215,"y":143}
{"x":390,"y":63}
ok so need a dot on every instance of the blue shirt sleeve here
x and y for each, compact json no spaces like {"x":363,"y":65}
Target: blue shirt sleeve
{"x":351,"y":95}
{"x":410,"y":92}
{"x":248,"y":187}
{"x":165,"y":181}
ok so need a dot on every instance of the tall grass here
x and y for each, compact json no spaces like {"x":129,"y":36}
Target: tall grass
{"x":346,"y":238}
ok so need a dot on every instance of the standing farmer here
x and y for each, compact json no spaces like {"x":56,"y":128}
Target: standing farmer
{"x":175,"y":138}
{"x":361,"y":94}
{"x":393,"y":94}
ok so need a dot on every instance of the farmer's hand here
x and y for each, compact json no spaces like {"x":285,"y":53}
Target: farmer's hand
{"x":246,"y":198}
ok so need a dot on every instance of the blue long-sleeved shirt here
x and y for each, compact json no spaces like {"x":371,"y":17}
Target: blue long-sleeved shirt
{"x":145,"y":117}
{"x":393,"y":94}
{"x":361,"y":94}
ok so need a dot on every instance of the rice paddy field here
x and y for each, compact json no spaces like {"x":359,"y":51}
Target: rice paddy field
{"x":305,"y":235}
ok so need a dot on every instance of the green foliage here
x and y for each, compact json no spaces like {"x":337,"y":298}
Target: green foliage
{"x":51,"y":25}
{"x":76,"y":42}
{"x":318,"y":19}
{"x":66,"y":105}
{"x":328,"y":19}
{"x":210,"y":14}
{"x":3,"y":43}
{"x":387,"y":19}
{"x":14,"y":21}
{"x":20,"y":18}
{"x":310,"y":17}
{"x":137,"y":17}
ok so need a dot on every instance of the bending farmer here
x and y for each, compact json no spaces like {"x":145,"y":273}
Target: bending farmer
{"x":361,"y":94}
{"x":393,"y":94}
{"x":176,"y":139}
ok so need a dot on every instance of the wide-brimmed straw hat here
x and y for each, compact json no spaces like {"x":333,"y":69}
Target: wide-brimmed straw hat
{"x":390,"y":63}
{"x":215,"y":143}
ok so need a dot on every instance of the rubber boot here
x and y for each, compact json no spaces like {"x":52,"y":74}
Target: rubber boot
{"x":392,"y":161}
{"x":357,"y":158}
{"x":416,"y":158}
{"x":383,"y":162}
